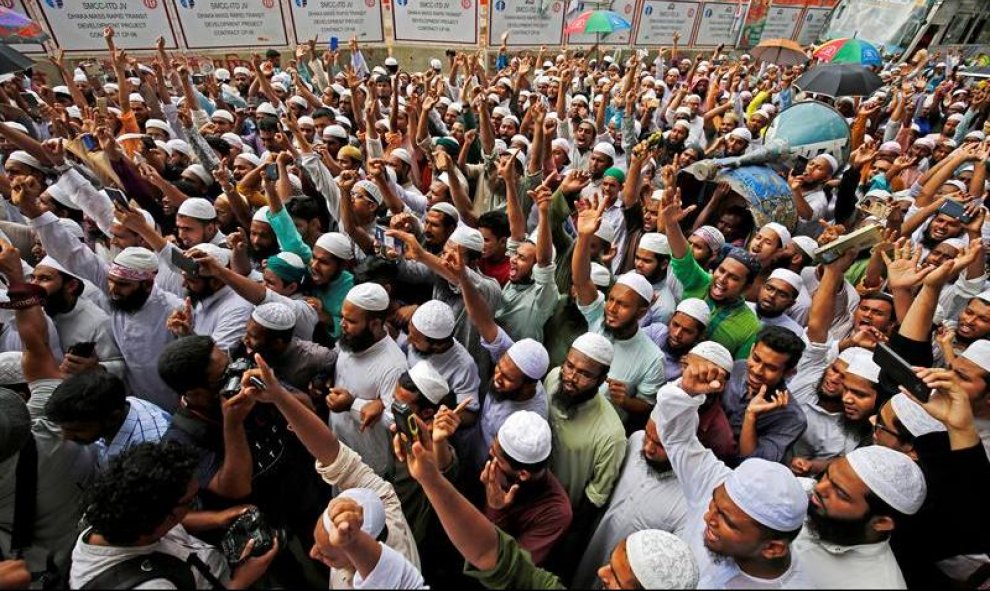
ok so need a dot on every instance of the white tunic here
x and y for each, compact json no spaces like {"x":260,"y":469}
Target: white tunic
{"x":223,"y":316}
{"x":825,"y":436}
{"x":86,"y":323}
{"x":829,"y":566}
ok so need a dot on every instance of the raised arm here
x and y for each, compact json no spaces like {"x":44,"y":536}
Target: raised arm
{"x":474,"y":303}
{"x":37,"y":361}
{"x":589,"y":219}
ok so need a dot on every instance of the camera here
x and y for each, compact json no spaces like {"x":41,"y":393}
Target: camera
{"x":232,"y":375}
{"x":252,"y":525}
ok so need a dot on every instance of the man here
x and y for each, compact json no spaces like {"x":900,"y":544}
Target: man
{"x":331,"y":279}
{"x":196,"y":223}
{"x":741,"y":522}
{"x":686,"y":329}
{"x":494,"y":226}
{"x":92,"y":407}
{"x":767,"y":244}
{"x":369,"y":364}
{"x":734,"y":325}
{"x":756,"y":401}
{"x":522,"y":497}
{"x":777,"y":295}
{"x":638,"y":371}
{"x":269,"y":333}
{"x":652,"y":261}
{"x":855,"y":507}
{"x":135,"y":508}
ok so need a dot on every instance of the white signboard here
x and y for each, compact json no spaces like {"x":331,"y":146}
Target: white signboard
{"x":624,"y":8}
{"x":659,"y":20}
{"x":18,"y":7}
{"x":342,"y":19}
{"x":524,"y":22}
{"x":77,"y":25}
{"x":782,"y":22}
{"x":716,"y":24}
{"x":445,"y":22}
{"x":214,"y":24}
{"x":811,"y":25}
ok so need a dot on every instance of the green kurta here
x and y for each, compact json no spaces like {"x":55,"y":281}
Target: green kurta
{"x":514,"y":569}
{"x":527,"y":307}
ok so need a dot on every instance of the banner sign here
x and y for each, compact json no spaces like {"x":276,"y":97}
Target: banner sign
{"x":444,"y":22}
{"x":77,"y":25}
{"x":342,"y":19}
{"x":212,"y":24}
{"x":659,"y":20}
{"x":782,"y":22}
{"x":526,"y":26}
{"x":716,"y":23}
{"x":812,"y":24}
{"x":624,"y":8}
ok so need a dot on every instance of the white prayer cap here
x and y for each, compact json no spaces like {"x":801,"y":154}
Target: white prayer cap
{"x":371,"y":189}
{"x":222,"y":255}
{"x":852,"y":353}
{"x":22,"y":157}
{"x":957,"y":243}
{"x":525,"y":437}
{"x":891,"y":475}
{"x":530,"y":357}
{"x":58,"y":89}
{"x":222,"y":74}
{"x":742,"y":133}
{"x":48,"y":261}
{"x":334,"y":131}
{"x":864,"y":367}
{"x":595,"y":346}
{"x":561,"y":144}
{"x":806,"y":244}
{"x":368,"y":296}
{"x":274,"y":316}
{"x":266,"y":109}
{"x":250,"y":158}
{"x":878,"y":193}
{"x":344,"y":121}
{"x":446,"y":208}
{"x":605,"y":149}
{"x":606,"y":231}
{"x":180,"y":146}
{"x":135,"y":98}
{"x":436,"y":64}
{"x":956,"y":117}
{"x":913,"y":417}
{"x":831,"y":161}
{"x":242,"y":70}
{"x":372,"y":508}
{"x":163,"y":147}
{"x":468,"y":237}
{"x":636,"y":282}
{"x":769,"y":493}
{"x":137,"y":258}
{"x":655,"y":242}
{"x":979,"y":352}
{"x":789,"y":277}
{"x":337,"y":244}
{"x":233,"y":140}
{"x":223,"y":114}
{"x":682,"y":111}
{"x":434,"y":319}
{"x":511,"y":119}
{"x":695,"y":308}
{"x":199,"y":208}
{"x":297,"y":100}
{"x":79,"y":76}
{"x":714,"y":352}
{"x":73,"y":228}
{"x":957,"y":184}
{"x":403,"y":155}
{"x":661,"y":560}
{"x":975,"y":135}
{"x":60,"y":195}
{"x":261,"y":215}
{"x":600,"y":275}
{"x":391,"y":61}
{"x":306,"y":120}
{"x":199,"y":171}
{"x":429,"y":381}
{"x":11,"y":371}
{"x":781,"y":232}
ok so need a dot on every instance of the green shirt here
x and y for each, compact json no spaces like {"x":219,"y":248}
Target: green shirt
{"x":732,"y":325}
{"x":526,"y":307}
{"x":589,"y":444}
{"x":332,"y":297}
{"x":514,"y":569}
{"x":566,"y":324}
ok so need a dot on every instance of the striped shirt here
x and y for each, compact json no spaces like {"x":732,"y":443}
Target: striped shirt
{"x":145,"y":422}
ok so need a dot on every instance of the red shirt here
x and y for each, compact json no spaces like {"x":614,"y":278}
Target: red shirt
{"x":538,"y":518}
{"x":497,"y":271}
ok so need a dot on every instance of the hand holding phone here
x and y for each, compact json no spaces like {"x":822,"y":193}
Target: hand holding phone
{"x":271,"y":171}
{"x":405,"y":423}
{"x":900,"y":372}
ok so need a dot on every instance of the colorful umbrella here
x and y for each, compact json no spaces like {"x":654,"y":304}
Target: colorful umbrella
{"x":17,"y":28}
{"x":782,"y":52}
{"x":849,"y":51}
{"x":597,"y":21}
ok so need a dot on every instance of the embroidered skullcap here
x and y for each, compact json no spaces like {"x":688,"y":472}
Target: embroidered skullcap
{"x":368,"y":296}
{"x":525,"y":437}
{"x":468,"y":237}
{"x":913,"y":417}
{"x":198,"y":208}
{"x":891,"y":475}
{"x":428,"y":380}
{"x":636,"y":282}
{"x":695,"y":308}
{"x":274,"y":316}
{"x":372,"y":508}
{"x":337,"y":244}
{"x":661,"y":560}
{"x":769,"y":493}
{"x":712,"y":236}
{"x":435,"y":319}
{"x":596,"y":347}
{"x":655,"y":242}
{"x":714,"y":352}
{"x":530,"y":357}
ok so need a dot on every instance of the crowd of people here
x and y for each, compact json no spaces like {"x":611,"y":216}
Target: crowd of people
{"x":308,"y":322}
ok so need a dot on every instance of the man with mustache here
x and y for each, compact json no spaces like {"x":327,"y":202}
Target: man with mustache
{"x":686,"y":329}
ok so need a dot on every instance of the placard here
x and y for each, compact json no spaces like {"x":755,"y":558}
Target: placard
{"x":214,"y":24}
{"x":18,"y":7}
{"x":715,"y":24}
{"x":811,"y":25}
{"x":77,"y":25}
{"x":445,"y":22}
{"x":337,"y":18}
{"x":659,"y":20}
{"x":782,"y":23}
{"x":526,"y":26}
{"x":624,"y":8}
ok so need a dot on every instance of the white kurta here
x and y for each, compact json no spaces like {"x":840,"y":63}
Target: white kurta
{"x":223,"y":316}
{"x":828,"y":566}
{"x":825,"y":437}
{"x":86,"y":323}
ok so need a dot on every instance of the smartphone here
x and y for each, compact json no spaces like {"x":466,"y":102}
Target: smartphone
{"x":271,"y":171}
{"x":900,"y":372}
{"x":198,"y":78}
{"x":800,"y":165}
{"x":118,"y":198}
{"x":101,"y":106}
{"x":334,"y":43}
{"x":90,"y":142}
{"x":258,"y":383}
{"x":955,"y":210}
{"x":184,"y":263}
{"x":85,"y":349}
{"x":405,"y":423}
{"x":148,"y":143}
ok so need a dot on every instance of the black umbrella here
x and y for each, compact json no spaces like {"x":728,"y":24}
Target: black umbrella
{"x":837,"y":80}
{"x":12,"y":60}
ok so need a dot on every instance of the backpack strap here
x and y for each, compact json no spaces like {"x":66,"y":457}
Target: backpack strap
{"x":25,"y":496}
{"x":141,"y":569}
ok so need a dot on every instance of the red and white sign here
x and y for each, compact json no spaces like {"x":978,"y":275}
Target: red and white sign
{"x":526,"y":26}
{"x":221,"y":24}
{"x":342,"y":19}
{"x":78,"y":26}
{"x":445,"y":22}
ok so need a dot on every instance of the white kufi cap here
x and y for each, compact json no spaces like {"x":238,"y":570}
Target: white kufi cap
{"x":913,"y":417}
{"x":714,"y":352}
{"x":695,"y":308}
{"x":525,"y":437}
{"x":655,"y":242}
{"x":531,"y":357}
{"x":434,"y":319}
{"x":468,"y":237}
{"x":274,"y":316}
{"x":637,"y":283}
{"x":337,"y":244}
{"x":769,"y":493}
{"x":596,"y":347}
{"x":661,"y":560}
{"x":429,"y":381}
{"x":891,"y":475}
{"x":368,"y":296}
